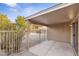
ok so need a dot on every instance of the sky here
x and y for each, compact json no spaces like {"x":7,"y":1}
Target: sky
{"x":12,"y":10}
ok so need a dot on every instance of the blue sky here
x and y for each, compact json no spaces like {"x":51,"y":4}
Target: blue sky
{"x":12,"y":10}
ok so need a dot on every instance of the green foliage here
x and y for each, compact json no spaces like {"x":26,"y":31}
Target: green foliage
{"x":11,"y":26}
{"x":21,"y":22}
{"x":4,"y":21}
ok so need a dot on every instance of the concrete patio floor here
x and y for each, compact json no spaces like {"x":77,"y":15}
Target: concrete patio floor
{"x":52,"y":48}
{"x":49,"y":48}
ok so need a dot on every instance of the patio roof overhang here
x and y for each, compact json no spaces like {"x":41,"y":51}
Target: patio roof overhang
{"x":59,"y":14}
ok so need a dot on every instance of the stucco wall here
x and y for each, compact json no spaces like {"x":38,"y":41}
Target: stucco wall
{"x":78,"y":34}
{"x":59,"y":32}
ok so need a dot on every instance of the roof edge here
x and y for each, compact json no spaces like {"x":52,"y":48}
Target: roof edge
{"x":56,"y":7}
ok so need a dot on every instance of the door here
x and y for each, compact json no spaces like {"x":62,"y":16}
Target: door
{"x":75,"y":36}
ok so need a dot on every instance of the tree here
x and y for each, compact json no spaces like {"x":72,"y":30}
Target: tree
{"x":21,"y":22}
{"x":4,"y":21}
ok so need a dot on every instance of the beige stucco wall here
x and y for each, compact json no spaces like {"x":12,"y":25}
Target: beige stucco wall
{"x":78,"y":34}
{"x":59,"y":32}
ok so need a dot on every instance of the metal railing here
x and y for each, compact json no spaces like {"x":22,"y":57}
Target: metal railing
{"x":37,"y":37}
{"x":10,"y":42}
{"x":13,"y":42}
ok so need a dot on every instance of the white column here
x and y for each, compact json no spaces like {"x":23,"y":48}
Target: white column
{"x":71,"y":30}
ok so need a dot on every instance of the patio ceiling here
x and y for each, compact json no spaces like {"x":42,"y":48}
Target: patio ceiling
{"x":55,"y":16}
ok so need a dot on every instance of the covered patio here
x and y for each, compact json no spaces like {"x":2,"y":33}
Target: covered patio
{"x":59,"y":21}
{"x":59,"y":41}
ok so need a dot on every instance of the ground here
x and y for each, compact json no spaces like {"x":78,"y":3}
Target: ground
{"x":49,"y":48}
{"x":52,"y":48}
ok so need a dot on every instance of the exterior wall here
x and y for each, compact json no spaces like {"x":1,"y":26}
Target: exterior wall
{"x":59,"y":32}
{"x":78,"y":34}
